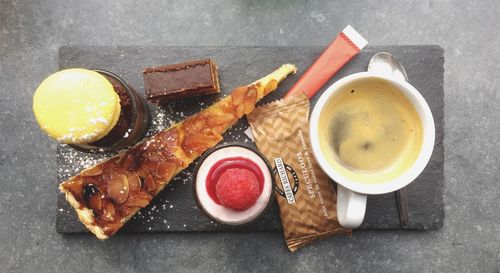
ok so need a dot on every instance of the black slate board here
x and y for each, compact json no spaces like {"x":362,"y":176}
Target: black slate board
{"x":174,"y":209}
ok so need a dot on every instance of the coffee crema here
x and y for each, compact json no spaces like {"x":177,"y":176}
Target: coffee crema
{"x":370,"y":132}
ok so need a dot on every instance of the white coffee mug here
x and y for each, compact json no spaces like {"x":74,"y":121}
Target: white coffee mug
{"x":351,"y":195}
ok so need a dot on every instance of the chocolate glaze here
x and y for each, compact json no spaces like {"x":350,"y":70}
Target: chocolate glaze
{"x":178,"y":81}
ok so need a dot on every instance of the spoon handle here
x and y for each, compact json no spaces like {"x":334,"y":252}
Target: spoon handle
{"x":404,"y":215}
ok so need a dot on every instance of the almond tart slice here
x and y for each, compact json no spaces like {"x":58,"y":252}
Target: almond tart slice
{"x":108,"y":194}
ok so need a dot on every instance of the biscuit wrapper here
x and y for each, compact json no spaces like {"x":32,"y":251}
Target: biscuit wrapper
{"x":306,"y":197}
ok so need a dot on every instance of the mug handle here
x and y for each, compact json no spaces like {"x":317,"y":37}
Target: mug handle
{"x":351,"y":207}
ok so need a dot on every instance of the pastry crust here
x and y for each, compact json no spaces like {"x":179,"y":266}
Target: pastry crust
{"x":107,"y":195}
{"x":85,"y":215}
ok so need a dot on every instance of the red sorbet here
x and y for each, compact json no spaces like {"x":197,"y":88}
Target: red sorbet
{"x":237,"y":189}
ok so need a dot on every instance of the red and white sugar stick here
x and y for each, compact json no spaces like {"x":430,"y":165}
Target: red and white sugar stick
{"x":347,"y":45}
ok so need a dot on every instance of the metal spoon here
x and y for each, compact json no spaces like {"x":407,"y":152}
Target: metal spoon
{"x":385,"y":64}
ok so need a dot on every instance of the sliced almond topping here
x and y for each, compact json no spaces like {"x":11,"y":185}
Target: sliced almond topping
{"x":96,"y":170}
{"x":149,"y":183}
{"x":226,"y":105}
{"x":197,"y":143}
{"x":166,"y":170}
{"x":75,"y":186}
{"x":238,"y":95}
{"x":118,"y":188}
{"x":271,"y":85}
{"x":134,"y":182}
{"x":129,"y":162}
{"x":196,"y":124}
{"x":240,"y":111}
{"x":250,"y":99}
{"x":140,"y":199}
{"x":217,"y":116}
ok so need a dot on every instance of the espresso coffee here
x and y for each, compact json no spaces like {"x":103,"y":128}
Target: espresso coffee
{"x":370,"y":131}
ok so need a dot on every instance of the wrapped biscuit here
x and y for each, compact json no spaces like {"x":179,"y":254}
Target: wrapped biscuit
{"x":306,"y":197}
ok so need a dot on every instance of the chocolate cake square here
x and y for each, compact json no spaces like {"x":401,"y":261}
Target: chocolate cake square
{"x":183,"y":80}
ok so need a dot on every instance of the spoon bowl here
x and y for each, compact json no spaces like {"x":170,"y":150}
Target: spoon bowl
{"x":385,"y":64}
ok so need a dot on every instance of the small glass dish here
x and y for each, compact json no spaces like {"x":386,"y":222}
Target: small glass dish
{"x":220,"y":156}
{"x":131,"y":126}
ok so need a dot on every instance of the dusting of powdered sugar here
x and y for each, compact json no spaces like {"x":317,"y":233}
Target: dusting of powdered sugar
{"x":71,"y":161}
{"x":160,"y":120}
{"x":163,"y":212}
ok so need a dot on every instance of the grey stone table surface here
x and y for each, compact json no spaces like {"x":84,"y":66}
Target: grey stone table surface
{"x":31,"y":33}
